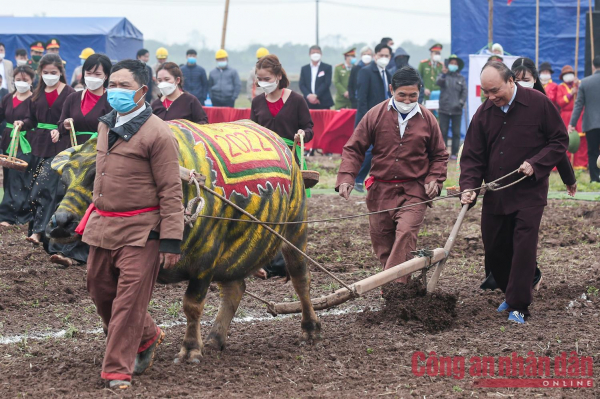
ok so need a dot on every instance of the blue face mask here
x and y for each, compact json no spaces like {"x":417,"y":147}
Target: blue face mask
{"x":82,"y":61}
{"x":191,"y":60}
{"x":352,"y":61}
{"x":122,"y":100}
{"x":221,"y":64}
{"x":453,"y":68}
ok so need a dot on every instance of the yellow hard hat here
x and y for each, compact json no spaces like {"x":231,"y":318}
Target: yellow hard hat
{"x":86,"y":52}
{"x":221,"y":54}
{"x":261,"y":52}
{"x":162,"y":53}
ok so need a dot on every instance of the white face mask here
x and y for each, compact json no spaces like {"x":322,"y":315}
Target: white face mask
{"x":568,"y":77}
{"x":436,"y":57}
{"x":383,"y":62}
{"x":366,"y":59}
{"x":22,"y":87}
{"x":403,"y":107}
{"x":268,"y":87}
{"x":21,"y":62}
{"x":50,"y":80}
{"x":316,"y":57}
{"x":166,"y":88}
{"x":545,"y":77}
{"x":93,"y":83}
{"x":529,"y":85}
{"x":2,"y":56}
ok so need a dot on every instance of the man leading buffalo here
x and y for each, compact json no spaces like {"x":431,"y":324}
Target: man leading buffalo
{"x":135,"y":223}
{"x":409,"y":166}
{"x":515,"y":128}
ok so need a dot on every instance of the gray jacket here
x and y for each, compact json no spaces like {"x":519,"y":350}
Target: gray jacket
{"x":224,"y":84}
{"x":453,"y":93}
{"x":588,"y":96}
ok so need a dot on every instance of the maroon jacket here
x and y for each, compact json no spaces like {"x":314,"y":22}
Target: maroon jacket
{"x":419,"y":157}
{"x":10,"y":115}
{"x":498,"y":143}
{"x":293,"y":116}
{"x":41,"y":141}
{"x":186,"y":106}
{"x":83,"y":123}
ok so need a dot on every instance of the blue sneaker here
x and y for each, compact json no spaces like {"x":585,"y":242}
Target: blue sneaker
{"x":360,"y":187}
{"x":516,"y":317}
{"x":503,"y":306}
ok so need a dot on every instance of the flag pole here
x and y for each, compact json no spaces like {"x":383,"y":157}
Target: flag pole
{"x":225,"y":24}
{"x":490,"y":23}
{"x":577,"y":39}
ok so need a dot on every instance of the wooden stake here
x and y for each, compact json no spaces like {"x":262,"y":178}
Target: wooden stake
{"x":577,"y":39}
{"x":225,"y":24}
{"x":537,"y":32}
{"x":490,"y":22}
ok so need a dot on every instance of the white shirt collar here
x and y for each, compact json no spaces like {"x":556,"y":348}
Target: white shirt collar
{"x":505,"y":108}
{"x":315,"y":66}
{"x":403,"y":122}
{"x":121,"y":120}
{"x":412,"y":113}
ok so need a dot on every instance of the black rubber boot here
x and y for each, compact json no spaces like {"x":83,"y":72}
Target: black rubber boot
{"x":144,"y":360}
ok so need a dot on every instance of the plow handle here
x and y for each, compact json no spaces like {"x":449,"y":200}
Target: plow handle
{"x":448,"y":247}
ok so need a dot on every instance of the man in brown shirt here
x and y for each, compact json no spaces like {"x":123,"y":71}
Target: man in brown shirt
{"x":137,"y":225}
{"x":409,"y":166}
{"x":515,"y":128}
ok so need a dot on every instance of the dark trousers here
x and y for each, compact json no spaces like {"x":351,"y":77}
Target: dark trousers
{"x":223,"y":103}
{"x":445,"y":126}
{"x":366,"y":167}
{"x":593,"y":145}
{"x":15,"y":207}
{"x":43,"y":195}
{"x":510,"y":243}
{"x":120,"y":283}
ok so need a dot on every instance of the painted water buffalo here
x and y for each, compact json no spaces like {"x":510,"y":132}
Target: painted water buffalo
{"x":250,"y":166}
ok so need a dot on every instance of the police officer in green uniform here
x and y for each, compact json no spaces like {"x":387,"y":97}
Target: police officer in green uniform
{"x":341,"y":77}
{"x":430,"y":69}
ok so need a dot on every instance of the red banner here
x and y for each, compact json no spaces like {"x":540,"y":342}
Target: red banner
{"x":332,"y":128}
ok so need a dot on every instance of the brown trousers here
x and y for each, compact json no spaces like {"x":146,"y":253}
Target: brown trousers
{"x":120,"y":283}
{"x":510,"y":243}
{"x":394,"y":233}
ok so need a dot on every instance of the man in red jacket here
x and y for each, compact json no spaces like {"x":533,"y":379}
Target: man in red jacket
{"x":409,"y":166}
{"x":515,"y":128}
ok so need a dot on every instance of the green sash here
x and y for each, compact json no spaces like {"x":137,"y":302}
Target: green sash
{"x":298,"y":151}
{"x":23,"y":143}
{"x":93,"y":135}
{"x":48,"y":126}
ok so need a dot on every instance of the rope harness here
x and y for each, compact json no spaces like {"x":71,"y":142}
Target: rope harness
{"x":190,"y":217}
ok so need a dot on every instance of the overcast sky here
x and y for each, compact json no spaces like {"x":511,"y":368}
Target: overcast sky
{"x":260,"y":21}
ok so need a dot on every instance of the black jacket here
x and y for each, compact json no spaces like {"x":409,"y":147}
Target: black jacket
{"x":322,"y":85}
{"x":370,"y":89}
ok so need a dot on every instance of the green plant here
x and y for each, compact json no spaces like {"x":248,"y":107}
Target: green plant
{"x":370,"y":351}
{"x":502,"y":328}
{"x":591,"y":290}
{"x":71,"y":331}
{"x":173,"y":310}
{"x":456,"y":388}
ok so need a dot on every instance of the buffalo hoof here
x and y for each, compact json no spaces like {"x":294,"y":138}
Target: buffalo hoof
{"x":215,"y":342}
{"x":191,"y":355}
{"x":311,"y":331}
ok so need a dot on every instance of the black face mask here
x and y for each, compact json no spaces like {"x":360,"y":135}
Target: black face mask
{"x":401,"y":61}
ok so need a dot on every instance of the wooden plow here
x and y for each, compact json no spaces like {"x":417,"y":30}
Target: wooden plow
{"x":425,"y":260}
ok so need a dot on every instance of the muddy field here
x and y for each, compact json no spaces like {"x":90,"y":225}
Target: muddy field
{"x":51,"y":342}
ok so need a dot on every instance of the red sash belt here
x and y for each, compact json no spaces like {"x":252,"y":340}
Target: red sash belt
{"x":92,"y":208}
{"x":372,"y":179}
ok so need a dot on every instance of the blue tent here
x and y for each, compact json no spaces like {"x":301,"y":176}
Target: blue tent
{"x":514,"y":29}
{"x":116,"y":37}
